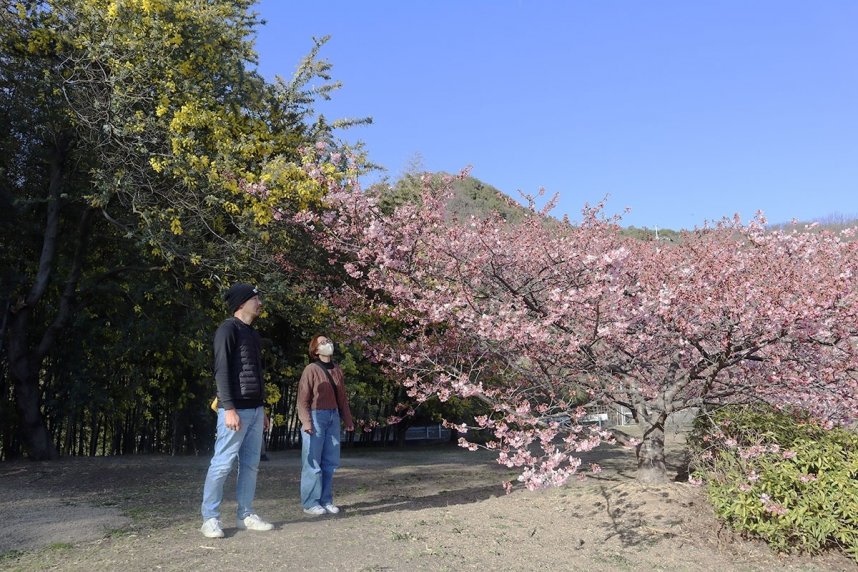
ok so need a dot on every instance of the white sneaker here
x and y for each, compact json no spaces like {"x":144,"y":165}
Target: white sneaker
{"x":253,"y":522}
{"x":315,"y":511}
{"x":212,"y":528}
{"x":331,"y":508}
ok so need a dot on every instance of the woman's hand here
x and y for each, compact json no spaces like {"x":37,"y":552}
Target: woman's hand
{"x":350,"y":428}
{"x":308,"y":429}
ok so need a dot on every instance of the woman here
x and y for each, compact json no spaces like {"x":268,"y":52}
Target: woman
{"x":322,"y":402}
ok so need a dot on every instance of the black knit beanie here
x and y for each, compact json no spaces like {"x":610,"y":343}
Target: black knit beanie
{"x":238,"y":294}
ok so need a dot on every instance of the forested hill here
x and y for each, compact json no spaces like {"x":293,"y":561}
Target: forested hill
{"x":474,"y":198}
{"x":471,"y":197}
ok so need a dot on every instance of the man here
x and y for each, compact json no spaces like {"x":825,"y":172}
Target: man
{"x":241,"y":418}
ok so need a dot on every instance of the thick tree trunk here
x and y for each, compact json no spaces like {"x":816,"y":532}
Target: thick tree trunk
{"x":651,"y":415}
{"x":39,"y":445}
{"x":33,"y":432}
{"x":650,"y":453}
{"x":25,"y":360}
{"x":25,"y":379}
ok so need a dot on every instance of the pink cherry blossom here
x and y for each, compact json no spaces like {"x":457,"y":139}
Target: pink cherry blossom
{"x":534,"y":317}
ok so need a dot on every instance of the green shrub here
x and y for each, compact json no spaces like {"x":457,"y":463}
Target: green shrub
{"x":780,"y":476}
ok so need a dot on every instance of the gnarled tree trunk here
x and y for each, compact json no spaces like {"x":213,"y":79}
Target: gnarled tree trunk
{"x":650,"y":454}
{"x":651,"y":418}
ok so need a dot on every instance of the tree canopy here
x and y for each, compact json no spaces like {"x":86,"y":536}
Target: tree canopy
{"x":538,"y":319}
{"x":143,"y":161}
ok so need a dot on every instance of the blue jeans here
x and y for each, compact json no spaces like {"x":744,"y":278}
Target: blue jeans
{"x":320,"y":456}
{"x":244,"y":444}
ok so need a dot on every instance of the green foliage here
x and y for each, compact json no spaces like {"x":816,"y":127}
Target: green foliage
{"x":645,"y":233}
{"x":781,"y":477}
{"x":471,"y":197}
{"x":142,"y":160}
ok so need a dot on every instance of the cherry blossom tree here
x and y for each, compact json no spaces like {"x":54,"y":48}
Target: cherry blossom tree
{"x":540,"y":317}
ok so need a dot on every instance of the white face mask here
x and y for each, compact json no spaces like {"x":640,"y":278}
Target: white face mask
{"x":326,"y":349}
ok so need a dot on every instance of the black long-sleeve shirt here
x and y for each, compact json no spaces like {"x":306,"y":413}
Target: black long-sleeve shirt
{"x":238,"y":366}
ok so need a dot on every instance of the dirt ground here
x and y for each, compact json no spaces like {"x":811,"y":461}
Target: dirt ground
{"x":419,"y":508}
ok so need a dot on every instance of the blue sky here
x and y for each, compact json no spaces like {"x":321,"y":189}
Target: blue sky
{"x":682,"y":111}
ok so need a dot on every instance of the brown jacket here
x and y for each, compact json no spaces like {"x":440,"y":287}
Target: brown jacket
{"x":315,"y":392}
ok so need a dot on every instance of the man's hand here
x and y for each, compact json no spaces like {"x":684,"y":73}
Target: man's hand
{"x":231,"y":419}
{"x":267,"y":423}
{"x":308,"y":429}
{"x":350,"y":428}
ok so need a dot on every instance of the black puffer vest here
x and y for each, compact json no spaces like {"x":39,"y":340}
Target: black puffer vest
{"x":238,"y":365}
{"x":246,"y":362}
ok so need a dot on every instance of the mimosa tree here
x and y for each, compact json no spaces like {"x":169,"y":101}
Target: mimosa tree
{"x":140,"y":124}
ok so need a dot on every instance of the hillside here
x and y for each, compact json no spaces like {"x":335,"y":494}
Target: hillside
{"x":471,"y":197}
